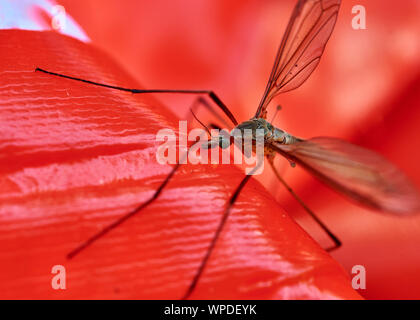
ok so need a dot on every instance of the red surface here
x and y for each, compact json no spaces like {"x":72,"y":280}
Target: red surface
{"x":74,"y":157}
{"x":365,"y":90}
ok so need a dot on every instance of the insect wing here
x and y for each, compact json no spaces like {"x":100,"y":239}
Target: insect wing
{"x":358,"y":173}
{"x":300,"y":51}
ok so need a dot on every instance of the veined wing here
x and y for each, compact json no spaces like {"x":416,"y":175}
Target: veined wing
{"x":356,"y":172}
{"x":301,"y":48}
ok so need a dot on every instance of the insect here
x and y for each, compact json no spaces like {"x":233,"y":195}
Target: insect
{"x":355,"y":172}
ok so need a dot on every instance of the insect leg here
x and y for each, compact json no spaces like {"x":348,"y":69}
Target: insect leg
{"x":128,"y":215}
{"x":136,"y":210}
{"x":199,"y":121}
{"x":337,"y":242}
{"x":210,"y":93}
{"x":201,"y":101}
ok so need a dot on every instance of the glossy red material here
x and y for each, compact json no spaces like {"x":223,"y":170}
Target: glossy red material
{"x":75,"y":157}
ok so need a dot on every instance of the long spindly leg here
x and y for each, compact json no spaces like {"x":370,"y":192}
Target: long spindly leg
{"x":210,"y":93}
{"x":218,"y":231}
{"x":136,"y":210}
{"x":337,"y":242}
{"x":202,"y":102}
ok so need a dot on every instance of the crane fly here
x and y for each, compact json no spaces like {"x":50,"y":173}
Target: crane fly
{"x":355,"y":172}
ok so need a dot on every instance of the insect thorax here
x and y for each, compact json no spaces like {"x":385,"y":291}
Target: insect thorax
{"x":271,"y":133}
